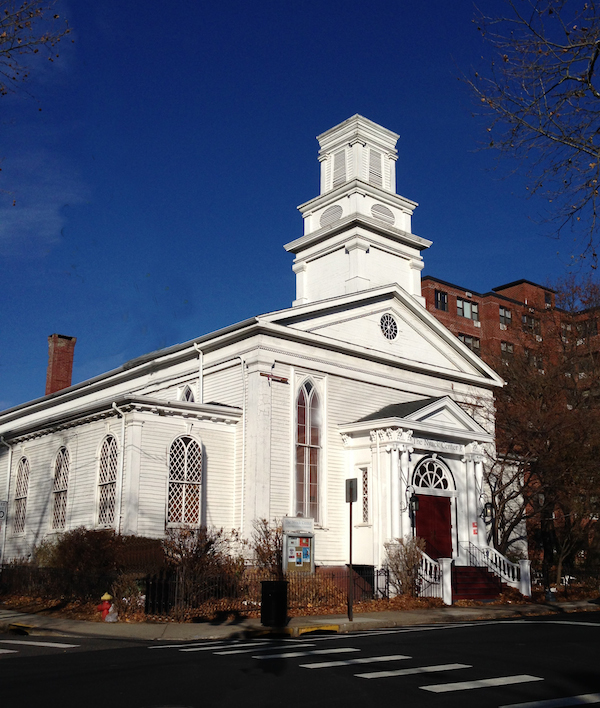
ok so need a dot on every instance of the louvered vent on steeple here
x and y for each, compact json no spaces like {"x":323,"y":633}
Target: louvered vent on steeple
{"x":330,"y":215}
{"x":375,"y":171}
{"x":339,"y":168}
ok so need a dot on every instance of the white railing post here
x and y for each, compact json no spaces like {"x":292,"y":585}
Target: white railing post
{"x":446,"y":570}
{"x":525,"y":582}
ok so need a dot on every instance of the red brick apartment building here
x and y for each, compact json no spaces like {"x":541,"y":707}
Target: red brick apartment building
{"x":491,"y":324}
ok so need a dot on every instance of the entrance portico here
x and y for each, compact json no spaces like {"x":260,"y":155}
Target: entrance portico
{"x":430,"y":450}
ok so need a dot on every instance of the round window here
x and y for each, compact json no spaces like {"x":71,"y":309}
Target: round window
{"x":389,"y":327}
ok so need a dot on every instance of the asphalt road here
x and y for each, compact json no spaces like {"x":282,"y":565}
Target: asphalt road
{"x":542,"y":663}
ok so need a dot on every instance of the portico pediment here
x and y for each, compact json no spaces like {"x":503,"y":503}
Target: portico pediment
{"x":435,"y":418}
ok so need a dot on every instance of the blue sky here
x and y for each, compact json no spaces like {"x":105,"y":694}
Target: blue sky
{"x":155,"y":189}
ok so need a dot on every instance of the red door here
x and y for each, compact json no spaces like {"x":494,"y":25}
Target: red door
{"x":433,"y":523}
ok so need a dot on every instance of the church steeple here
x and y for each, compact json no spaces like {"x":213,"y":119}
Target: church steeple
{"x":357,"y":232}
{"x":358,"y":149}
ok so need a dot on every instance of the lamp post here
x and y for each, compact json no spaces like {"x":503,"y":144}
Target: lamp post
{"x":414,"y":507}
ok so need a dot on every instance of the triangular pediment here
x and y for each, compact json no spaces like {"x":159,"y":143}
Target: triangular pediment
{"x":388,"y":322}
{"x":437,"y":417}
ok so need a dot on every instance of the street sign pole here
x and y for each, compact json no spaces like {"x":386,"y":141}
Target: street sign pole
{"x":351,"y":496}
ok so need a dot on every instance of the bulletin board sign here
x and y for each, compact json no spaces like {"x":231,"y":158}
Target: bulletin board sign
{"x":298,"y":545}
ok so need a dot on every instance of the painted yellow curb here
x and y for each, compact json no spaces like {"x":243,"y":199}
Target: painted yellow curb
{"x":318,"y":628}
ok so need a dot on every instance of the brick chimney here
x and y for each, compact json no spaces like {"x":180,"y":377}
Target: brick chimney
{"x":60,"y":362}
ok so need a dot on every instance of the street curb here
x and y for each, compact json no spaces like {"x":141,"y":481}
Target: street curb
{"x":23,"y":623}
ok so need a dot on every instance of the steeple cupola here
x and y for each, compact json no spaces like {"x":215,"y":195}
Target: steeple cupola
{"x":357,"y":232}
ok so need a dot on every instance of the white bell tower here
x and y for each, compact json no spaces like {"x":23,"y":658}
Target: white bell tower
{"x":357,"y":232}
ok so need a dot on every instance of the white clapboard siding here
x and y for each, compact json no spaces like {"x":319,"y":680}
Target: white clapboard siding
{"x":224,"y":386}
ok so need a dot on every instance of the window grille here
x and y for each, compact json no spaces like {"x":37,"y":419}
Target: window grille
{"x":59,"y":489}
{"x":431,"y":474}
{"x":107,"y":481}
{"x":21,"y":495}
{"x":308,"y":441}
{"x":365,"y":495}
{"x":187,"y":395}
{"x":388,"y":325}
{"x":185,"y":481}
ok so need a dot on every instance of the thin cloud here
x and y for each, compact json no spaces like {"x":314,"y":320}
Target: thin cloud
{"x":35,"y":210}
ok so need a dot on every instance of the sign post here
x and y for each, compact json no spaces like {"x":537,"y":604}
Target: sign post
{"x":351,"y":497}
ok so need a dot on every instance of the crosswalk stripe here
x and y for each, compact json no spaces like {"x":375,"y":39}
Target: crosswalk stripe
{"x":295,"y":654}
{"x":481,"y":683}
{"x":414,"y":670}
{"x":351,"y":662}
{"x":38,"y":644}
{"x":218,"y":642}
{"x":267,"y":647}
{"x":583,"y":700}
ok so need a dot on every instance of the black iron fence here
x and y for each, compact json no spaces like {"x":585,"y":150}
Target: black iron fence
{"x":173,"y":593}
{"x":53,"y":582}
{"x":176,"y":592}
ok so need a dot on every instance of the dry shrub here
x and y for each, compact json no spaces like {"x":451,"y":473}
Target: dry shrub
{"x":403,"y":559}
{"x":267,"y":547}
{"x":128,"y":597}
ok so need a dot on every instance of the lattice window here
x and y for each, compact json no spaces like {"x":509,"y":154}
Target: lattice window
{"x":59,"y":489}
{"x":365,"y":494}
{"x":431,"y":474}
{"x":308,"y":442}
{"x":21,"y":495}
{"x":185,"y":481}
{"x":187,"y":395}
{"x":107,"y":481}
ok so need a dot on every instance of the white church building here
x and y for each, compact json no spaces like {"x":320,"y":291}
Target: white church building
{"x":267,"y":418}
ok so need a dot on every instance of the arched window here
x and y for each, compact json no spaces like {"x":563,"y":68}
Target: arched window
{"x":308,"y":444}
{"x":431,"y":474}
{"x":59,"y":489}
{"x":185,"y":480}
{"x":187,"y":395}
{"x":21,"y":495}
{"x":107,"y":481}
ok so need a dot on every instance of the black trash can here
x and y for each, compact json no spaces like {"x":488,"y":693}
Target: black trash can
{"x":273,"y":608}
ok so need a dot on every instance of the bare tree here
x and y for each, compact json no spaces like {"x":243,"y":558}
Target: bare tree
{"x":542,"y":97}
{"x":26,"y":29}
{"x":548,"y":433}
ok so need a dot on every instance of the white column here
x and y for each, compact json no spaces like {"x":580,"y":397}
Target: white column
{"x":525,"y":582}
{"x":446,"y":572}
{"x":482,"y":535}
{"x":133,"y":456}
{"x":357,"y":250}
{"x":471,"y":501}
{"x":301,"y":286}
{"x":405,"y":449}
{"x":395,"y":491}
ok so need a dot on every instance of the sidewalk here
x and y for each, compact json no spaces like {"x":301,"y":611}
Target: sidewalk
{"x":37,"y":624}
